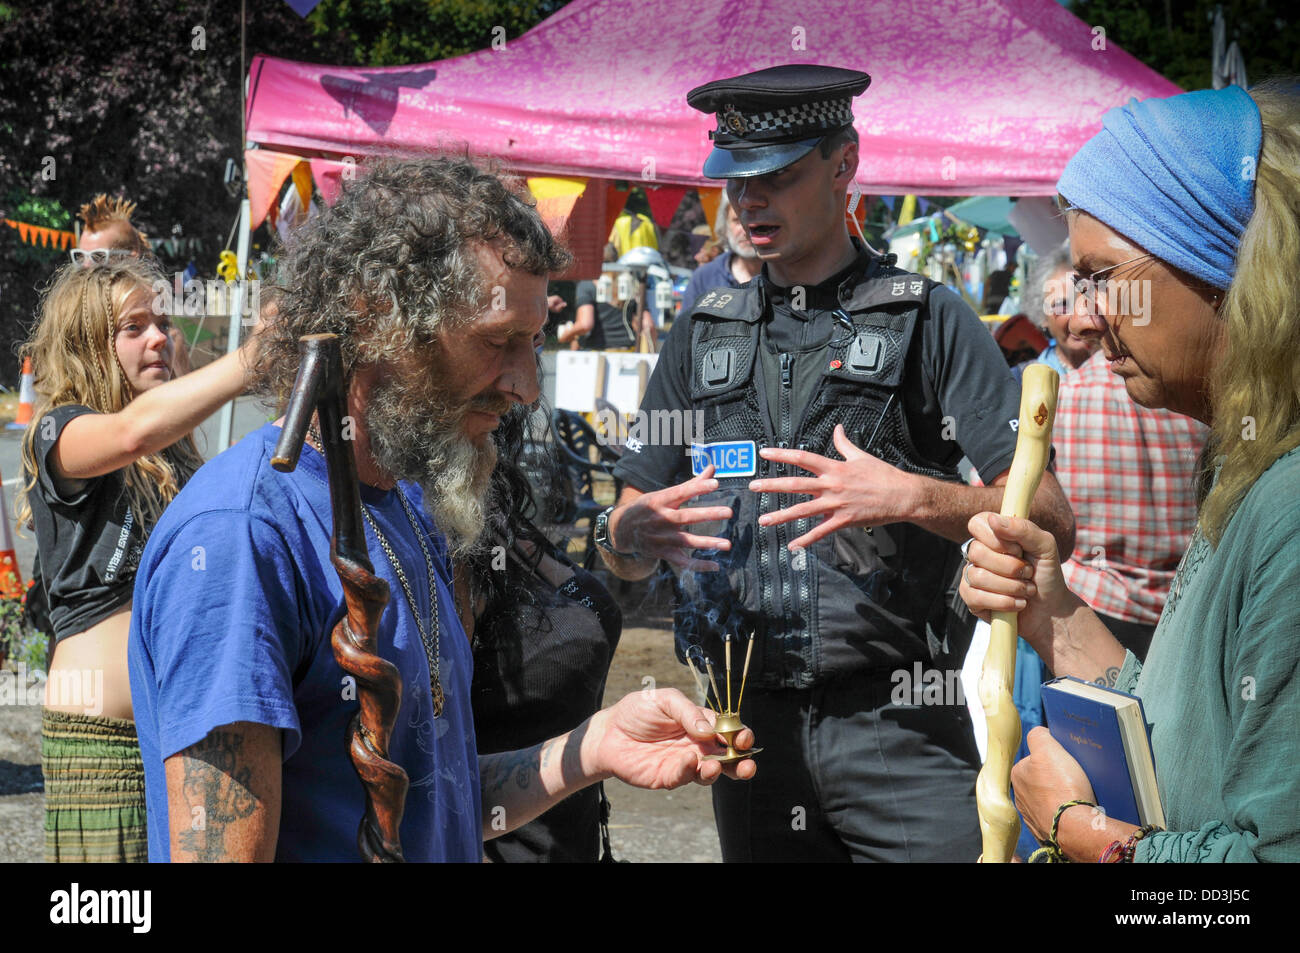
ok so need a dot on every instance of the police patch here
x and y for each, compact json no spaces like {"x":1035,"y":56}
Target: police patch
{"x":732,"y":458}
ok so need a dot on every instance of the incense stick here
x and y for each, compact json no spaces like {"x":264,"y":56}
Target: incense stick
{"x":709,"y":665}
{"x":704,"y":692}
{"x":727,"y":640}
{"x":745,"y":671}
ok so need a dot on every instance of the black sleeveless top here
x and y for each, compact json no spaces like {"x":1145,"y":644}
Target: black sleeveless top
{"x":540,"y":665}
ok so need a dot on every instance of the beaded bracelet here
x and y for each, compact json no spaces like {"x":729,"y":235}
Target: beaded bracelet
{"x":1122,"y":853}
{"x":1050,"y":852}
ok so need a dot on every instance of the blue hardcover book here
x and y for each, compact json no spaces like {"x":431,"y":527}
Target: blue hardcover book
{"x":1106,"y":732}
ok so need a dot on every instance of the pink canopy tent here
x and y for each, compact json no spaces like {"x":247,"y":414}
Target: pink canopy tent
{"x":969,"y":97}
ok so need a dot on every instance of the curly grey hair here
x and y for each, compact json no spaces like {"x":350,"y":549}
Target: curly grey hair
{"x":393,"y":263}
{"x":1038,"y":272}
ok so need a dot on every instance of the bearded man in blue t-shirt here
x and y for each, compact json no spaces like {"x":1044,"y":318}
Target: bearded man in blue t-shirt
{"x":433,"y":274}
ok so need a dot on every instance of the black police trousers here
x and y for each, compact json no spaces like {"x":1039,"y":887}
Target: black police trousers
{"x":846,"y":775}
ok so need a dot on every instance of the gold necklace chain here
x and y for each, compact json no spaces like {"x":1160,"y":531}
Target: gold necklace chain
{"x":431,"y":644}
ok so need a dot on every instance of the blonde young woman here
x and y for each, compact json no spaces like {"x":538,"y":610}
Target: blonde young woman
{"x":1198,"y":198}
{"x":109,"y":446}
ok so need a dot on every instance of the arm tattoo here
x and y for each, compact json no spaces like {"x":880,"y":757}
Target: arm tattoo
{"x":219,"y":785}
{"x":1110,"y":677}
{"x":521,"y":764}
{"x":527,"y":764}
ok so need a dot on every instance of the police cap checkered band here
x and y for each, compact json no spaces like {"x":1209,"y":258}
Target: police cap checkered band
{"x":797,"y":122}
{"x":779,"y":105}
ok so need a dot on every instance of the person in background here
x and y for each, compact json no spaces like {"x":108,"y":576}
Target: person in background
{"x":633,"y":228}
{"x":108,"y":233}
{"x":1066,"y":350}
{"x":108,"y":448}
{"x":731,"y":269}
{"x":543,"y":633}
{"x":602,"y":325}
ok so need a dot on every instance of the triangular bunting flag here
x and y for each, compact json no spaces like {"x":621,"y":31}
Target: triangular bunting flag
{"x":266,"y":174}
{"x":556,"y":196}
{"x":710,"y":199}
{"x":664,"y":200}
{"x":615,"y":199}
{"x":302,"y":182}
{"x":329,"y":176}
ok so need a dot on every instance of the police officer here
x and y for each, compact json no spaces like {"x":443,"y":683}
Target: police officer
{"x":837,"y":395}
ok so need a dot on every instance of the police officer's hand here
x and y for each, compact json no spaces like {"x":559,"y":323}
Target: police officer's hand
{"x":655,"y":525}
{"x":860,"y":490}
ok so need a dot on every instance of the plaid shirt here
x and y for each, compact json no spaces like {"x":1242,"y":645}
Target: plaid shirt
{"x":1129,"y":473}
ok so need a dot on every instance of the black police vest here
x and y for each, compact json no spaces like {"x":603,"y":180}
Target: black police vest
{"x":859,"y":599}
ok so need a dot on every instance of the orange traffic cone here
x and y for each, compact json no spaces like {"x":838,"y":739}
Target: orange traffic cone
{"x":11,"y":578}
{"x":26,"y":397}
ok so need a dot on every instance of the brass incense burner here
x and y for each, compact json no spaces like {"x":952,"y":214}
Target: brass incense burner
{"x":728,"y":723}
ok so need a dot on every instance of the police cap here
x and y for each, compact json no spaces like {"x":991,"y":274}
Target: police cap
{"x":773,"y":117}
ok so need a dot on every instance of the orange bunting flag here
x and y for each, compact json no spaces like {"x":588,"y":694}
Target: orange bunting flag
{"x":710,"y":199}
{"x":48,"y":237}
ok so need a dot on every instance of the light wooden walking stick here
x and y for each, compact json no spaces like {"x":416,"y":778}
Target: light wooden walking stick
{"x":999,"y":822}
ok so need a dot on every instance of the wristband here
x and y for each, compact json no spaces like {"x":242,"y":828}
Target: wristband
{"x":1050,"y":852}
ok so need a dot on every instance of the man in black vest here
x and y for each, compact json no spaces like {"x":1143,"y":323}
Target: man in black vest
{"x":851,"y":390}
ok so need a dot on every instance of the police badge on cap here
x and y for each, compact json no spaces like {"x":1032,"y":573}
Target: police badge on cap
{"x":773,"y":117}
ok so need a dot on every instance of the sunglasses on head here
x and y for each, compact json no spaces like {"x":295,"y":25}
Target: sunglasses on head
{"x":99,"y":256}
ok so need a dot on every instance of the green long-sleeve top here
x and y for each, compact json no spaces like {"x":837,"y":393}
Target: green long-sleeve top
{"x":1221,"y":687}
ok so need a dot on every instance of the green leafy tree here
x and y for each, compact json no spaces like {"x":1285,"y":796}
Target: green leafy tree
{"x":131,"y":97}
{"x":1175,"y":37}
{"x":399,"y":32}
{"x":141,"y":98}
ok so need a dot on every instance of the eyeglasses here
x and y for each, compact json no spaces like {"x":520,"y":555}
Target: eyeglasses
{"x":99,"y":256}
{"x":1088,"y":287}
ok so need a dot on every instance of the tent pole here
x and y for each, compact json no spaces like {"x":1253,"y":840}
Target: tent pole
{"x":226,"y":426}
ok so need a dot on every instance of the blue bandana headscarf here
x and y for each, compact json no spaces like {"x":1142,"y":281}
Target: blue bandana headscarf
{"x":1175,"y":175}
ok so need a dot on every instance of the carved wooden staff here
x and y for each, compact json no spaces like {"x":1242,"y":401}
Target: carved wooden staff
{"x":320,"y":387}
{"x":999,"y":822}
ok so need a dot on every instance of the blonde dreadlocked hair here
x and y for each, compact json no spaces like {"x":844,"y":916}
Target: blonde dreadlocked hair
{"x":101,"y":212}
{"x":74,"y":360}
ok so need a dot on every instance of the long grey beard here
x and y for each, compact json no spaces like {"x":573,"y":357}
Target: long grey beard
{"x":412,"y":440}
{"x":741,"y":249}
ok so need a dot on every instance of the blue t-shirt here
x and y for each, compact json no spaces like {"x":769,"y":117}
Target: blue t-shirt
{"x":235,"y":600}
{"x":710,"y":275}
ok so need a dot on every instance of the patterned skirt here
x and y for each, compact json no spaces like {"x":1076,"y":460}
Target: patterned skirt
{"x":94,"y":790}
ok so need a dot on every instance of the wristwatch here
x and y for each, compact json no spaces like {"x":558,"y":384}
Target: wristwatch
{"x":600,"y":534}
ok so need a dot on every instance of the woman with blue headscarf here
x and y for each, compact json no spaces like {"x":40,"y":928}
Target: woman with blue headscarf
{"x":1184,"y":217}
